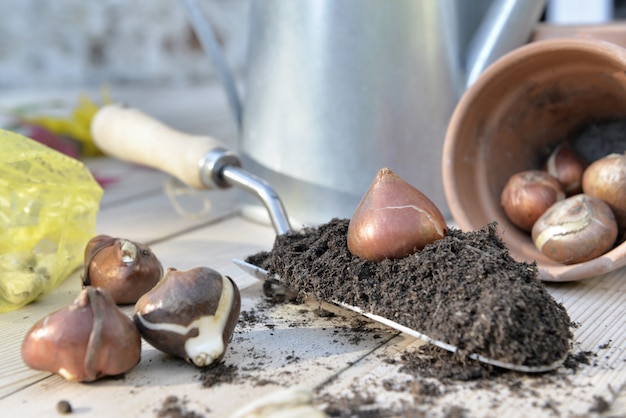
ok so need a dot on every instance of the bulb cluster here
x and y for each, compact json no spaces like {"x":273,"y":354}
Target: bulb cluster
{"x":573,"y":211}
{"x":188,"y":314}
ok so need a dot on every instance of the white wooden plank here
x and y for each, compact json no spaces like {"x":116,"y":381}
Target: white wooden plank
{"x":124,"y":181}
{"x":597,"y":305}
{"x":585,"y":300}
{"x":153,"y":217}
{"x":290,"y":346}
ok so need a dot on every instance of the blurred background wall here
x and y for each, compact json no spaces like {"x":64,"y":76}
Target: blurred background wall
{"x":76,"y":42}
{"x":55,"y":43}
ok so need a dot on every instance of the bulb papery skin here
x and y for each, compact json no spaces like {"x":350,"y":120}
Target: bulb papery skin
{"x":393,"y":220}
{"x":190,"y":314}
{"x":577,"y":229}
{"x":606,"y":179}
{"x":527,"y":195}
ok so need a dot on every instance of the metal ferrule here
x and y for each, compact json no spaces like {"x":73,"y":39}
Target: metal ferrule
{"x":211,"y":165}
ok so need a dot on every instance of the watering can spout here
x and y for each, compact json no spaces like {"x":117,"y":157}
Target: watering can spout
{"x":507,"y":25}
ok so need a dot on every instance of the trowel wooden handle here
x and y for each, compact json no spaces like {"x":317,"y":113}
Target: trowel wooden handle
{"x":133,"y":136}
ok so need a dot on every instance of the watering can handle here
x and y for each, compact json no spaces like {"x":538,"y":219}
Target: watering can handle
{"x":206,"y":35}
{"x":131,"y":135}
{"x":507,"y":25}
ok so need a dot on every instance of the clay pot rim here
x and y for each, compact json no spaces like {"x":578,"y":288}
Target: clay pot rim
{"x":554,"y":272}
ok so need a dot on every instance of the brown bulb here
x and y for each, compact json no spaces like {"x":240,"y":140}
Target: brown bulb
{"x":124,"y":268}
{"x":87,"y":340}
{"x":574,"y":230}
{"x":393,"y":220}
{"x":96,"y":241}
{"x":606,"y":179}
{"x":190,"y":314}
{"x":567,"y":167}
{"x":527,"y":195}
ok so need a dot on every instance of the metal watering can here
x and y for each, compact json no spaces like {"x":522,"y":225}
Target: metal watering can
{"x":336,"y":90}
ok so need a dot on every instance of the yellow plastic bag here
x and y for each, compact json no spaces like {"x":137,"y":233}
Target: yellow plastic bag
{"x":48,"y":208}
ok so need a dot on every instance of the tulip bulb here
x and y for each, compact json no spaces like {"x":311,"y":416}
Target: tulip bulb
{"x":567,"y":167}
{"x":574,"y":230}
{"x":85,"y":341}
{"x":393,"y":220}
{"x":125,"y":268}
{"x":190,"y":314}
{"x":606,"y":179}
{"x":527,"y":195}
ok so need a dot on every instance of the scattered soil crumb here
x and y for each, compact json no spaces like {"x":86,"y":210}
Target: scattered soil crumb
{"x":218,"y":374}
{"x":249,"y":317}
{"x":573,"y":361}
{"x":346,"y":406}
{"x":600,"y":405}
{"x":465,"y":290}
{"x":323,"y":313}
{"x":64,"y":407}
{"x":231,"y":374}
{"x":552,"y":406}
{"x":429,"y":361}
{"x":174,"y":407}
{"x":456,"y":412}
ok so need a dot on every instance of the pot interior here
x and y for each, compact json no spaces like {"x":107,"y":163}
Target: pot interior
{"x":512,"y":118}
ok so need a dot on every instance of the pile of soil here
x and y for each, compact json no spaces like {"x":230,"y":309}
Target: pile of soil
{"x":465,"y":290}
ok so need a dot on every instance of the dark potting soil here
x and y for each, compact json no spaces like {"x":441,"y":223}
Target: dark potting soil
{"x":597,"y":140}
{"x":465,"y":290}
{"x":175,"y":407}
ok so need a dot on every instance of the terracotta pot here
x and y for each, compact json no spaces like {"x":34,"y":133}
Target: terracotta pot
{"x":520,"y":108}
{"x":614,"y":32}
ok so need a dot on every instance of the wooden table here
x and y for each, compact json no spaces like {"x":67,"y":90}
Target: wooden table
{"x":345,"y":361}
